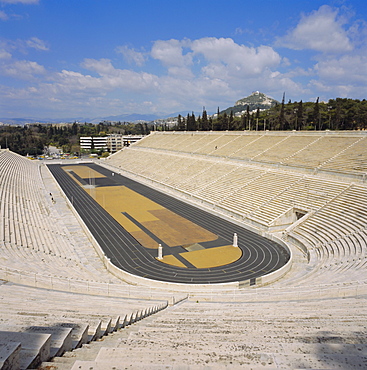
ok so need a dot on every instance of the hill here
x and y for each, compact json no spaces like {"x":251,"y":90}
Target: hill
{"x":254,"y":101}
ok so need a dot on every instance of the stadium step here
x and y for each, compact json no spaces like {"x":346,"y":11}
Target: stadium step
{"x":130,"y":324}
{"x":34,"y":347}
{"x":60,"y":338}
{"x":79,"y":334}
{"x":9,"y":355}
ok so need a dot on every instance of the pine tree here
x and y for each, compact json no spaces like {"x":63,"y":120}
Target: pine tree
{"x":281,"y":118}
{"x":247,"y":118}
{"x":204,"y":121}
{"x":211,"y":124}
{"x":230,"y":121}
{"x":316,"y":114}
{"x":300,"y":116}
{"x":180,"y":123}
{"x":243,"y":122}
{"x":191,"y":122}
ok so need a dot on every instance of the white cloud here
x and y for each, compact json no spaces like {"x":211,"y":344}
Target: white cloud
{"x":131,"y":55}
{"x":171,"y":54}
{"x":351,"y":69}
{"x":322,"y":31}
{"x":226,"y":58}
{"x":3,"y":16}
{"x":4,"y":54}
{"x":37,"y":44}
{"x":110,"y":78}
{"x":23,"y":69}
{"x":23,"y":46}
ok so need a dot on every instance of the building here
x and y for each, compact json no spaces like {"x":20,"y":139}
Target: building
{"x":116,"y":142}
{"x":112,"y":143}
{"x":93,"y":142}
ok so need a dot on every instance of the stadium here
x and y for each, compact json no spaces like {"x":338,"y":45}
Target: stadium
{"x":188,"y":250}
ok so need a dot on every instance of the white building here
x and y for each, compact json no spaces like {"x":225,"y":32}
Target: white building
{"x":111,"y":143}
{"x":93,"y":142}
{"x":116,"y":142}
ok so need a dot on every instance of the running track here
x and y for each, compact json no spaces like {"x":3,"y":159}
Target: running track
{"x":260,"y":255}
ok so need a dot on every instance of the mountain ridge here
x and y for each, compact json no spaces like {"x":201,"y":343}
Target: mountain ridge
{"x":127,"y":117}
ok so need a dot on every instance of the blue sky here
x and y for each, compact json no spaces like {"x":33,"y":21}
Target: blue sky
{"x":93,"y":58}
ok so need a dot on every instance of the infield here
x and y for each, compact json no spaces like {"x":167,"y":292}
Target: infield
{"x":148,"y":222}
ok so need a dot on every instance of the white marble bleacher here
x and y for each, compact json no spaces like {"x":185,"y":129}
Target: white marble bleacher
{"x":160,"y":166}
{"x":218,"y":141}
{"x":352,"y":159}
{"x":345,"y":152}
{"x":195,"y":141}
{"x":320,"y":151}
{"x":243,"y":189}
{"x":255,"y":194}
{"x":239,"y":141}
{"x":286,"y":148}
{"x":228,"y":182}
{"x":35,"y":308}
{"x":174,"y":142}
{"x":255,"y":148}
{"x":33,"y":237}
{"x":70,"y":320}
{"x":169,"y":169}
{"x":307,"y":193}
{"x":270,"y":335}
{"x":338,"y":233}
{"x":209,"y":172}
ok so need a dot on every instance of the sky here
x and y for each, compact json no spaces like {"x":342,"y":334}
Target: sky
{"x":96,"y":58}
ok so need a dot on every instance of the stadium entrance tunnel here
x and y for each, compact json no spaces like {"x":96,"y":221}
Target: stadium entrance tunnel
{"x":128,"y":221}
{"x":290,"y":217}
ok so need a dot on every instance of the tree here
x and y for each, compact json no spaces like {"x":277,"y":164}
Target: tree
{"x":316,"y":115}
{"x":257,"y":118}
{"x":281,"y":118}
{"x":230,"y":121}
{"x":180,"y":123}
{"x":299,"y":124}
{"x":204,"y":121}
{"x":74,"y":129}
{"x":243,"y":122}
{"x":193,"y":122}
{"x":247,"y":117}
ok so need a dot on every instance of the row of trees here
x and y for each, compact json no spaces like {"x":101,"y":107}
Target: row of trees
{"x":337,"y":114}
{"x":32,"y":139}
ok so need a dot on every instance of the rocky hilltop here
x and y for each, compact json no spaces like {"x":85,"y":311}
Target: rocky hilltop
{"x":257,"y":98}
{"x":254,"y":101}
